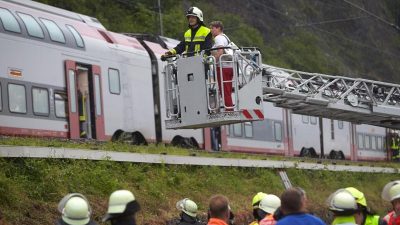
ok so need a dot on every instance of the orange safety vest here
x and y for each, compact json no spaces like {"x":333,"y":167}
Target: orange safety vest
{"x":268,"y":220}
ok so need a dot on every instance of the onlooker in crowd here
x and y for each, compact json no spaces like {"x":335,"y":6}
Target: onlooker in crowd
{"x":122,"y":207}
{"x":188,"y":210}
{"x":219,"y":212}
{"x":75,"y":210}
{"x":268,"y":205}
{"x":224,"y":69}
{"x":369,"y":218}
{"x":257,"y":212}
{"x":391,"y":193}
{"x":293,"y":206}
{"x":344,"y":208}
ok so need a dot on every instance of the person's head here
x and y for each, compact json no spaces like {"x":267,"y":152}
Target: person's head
{"x":391,"y":193}
{"x":270,"y":203}
{"x":194,"y":16}
{"x":217,"y":28}
{"x":257,"y":213}
{"x":76,"y":211}
{"x":342,"y":203}
{"x":219,"y":208}
{"x":187,"y":206}
{"x":293,"y":200}
{"x":122,"y":204}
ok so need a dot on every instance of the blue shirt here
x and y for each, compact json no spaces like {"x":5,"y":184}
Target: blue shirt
{"x":300,"y":219}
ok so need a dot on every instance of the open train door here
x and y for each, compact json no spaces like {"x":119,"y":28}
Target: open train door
{"x":73,"y":114}
{"x":85,"y":101}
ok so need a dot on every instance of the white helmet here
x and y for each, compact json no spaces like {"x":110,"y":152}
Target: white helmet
{"x":391,"y":191}
{"x":194,"y":11}
{"x":341,"y":201}
{"x":118,"y":204}
{"x":76,"y":211}
{"x":187,"y":206}
{"x":270,"y":203}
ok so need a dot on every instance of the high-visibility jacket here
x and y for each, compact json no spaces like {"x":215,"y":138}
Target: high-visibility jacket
{"x":195,"y":40}
{"x":372,"y":220}
{"x":392,"y":219}
{"x":254,"y":223}
{"x":344,"y":220}
{"x":395,"y":143}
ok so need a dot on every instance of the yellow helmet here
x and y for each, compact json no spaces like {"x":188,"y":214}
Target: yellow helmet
{"x":257,"y":198}
{"x":358,"y":195}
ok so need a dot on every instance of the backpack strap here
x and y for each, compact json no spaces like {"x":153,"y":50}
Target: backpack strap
{"x":229,"y":41}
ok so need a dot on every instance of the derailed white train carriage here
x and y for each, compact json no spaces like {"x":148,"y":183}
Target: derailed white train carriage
{"x":49,"y":54}
{"x":64,"y":75}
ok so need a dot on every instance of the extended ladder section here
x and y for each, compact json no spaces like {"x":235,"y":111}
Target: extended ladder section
{"x":196,"y":97}
{"x":336,"y":97}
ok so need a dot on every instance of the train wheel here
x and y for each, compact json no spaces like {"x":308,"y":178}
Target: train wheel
{"x":138,"y":138}
{"x":117,"y":135}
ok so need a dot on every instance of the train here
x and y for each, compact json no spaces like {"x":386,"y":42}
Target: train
{"x":64,"y":75}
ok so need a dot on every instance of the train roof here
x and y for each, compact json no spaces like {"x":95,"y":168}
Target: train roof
{"x":59,"y":12}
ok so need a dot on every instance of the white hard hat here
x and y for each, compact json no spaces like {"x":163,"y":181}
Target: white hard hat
{"x":76,"y":211}
{"x":270,"y":203}
{"x":342,"y":200}
{"x":391,"y":191}
{"x":118,"y":201}
{"x":187,"y":206}
{"x":194,"y":11}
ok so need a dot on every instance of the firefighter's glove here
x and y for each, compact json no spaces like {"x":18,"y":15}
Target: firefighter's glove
{"x":166,"y":55}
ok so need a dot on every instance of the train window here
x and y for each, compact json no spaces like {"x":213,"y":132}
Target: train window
{"x":17,"y":98}
{"x":313,"y":120}
{"x":227,"y":129}
{"x":305,"y":119}
{"x":340,"y":124}
{"x":9,"y":22}
{"x":55,"y":32}
{"x":72,"y":90}
{"x":113,"y":81}
{"x":40,"y":97}
{"x":379,"y":145}
{"x":97,"y":94}
{"x":60,"y":102}
{"x":360,"y":140}
{"x":77,"y":36}
{"x":237,"y":129}
{"x":32,"y":26}
{"x":367,"y":142}
{"x":373,"y":142}
{"x":248,"y":129}
{"x":278,"y":131}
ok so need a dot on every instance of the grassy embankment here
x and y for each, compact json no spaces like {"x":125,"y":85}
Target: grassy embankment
{"x":31,"y":188}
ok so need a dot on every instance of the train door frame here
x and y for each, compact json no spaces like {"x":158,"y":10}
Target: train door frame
{"x":94,"y":104}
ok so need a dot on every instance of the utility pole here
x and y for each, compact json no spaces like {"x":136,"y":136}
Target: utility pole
{"x":160,"y":18}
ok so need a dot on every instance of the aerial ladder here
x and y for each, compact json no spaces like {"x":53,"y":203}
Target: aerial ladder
{"x":356,"y":100}
{"x":195,"y":100}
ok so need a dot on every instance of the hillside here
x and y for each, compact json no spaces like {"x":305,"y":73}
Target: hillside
{"x":31,"y":188}
{"x":326,"y":36}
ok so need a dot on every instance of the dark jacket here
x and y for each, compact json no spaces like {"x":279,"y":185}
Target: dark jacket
{"x":188,"y":220}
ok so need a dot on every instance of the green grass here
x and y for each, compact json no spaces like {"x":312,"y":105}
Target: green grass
{"x":31,"y":188}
